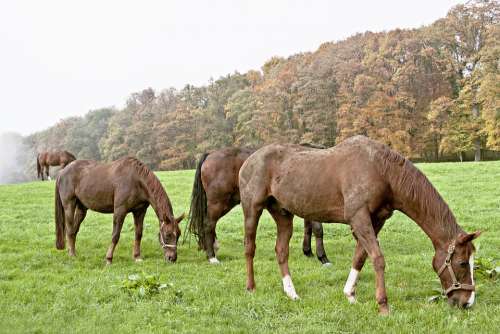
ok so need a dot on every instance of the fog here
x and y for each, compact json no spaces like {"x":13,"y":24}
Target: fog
{"x":15,"y":156}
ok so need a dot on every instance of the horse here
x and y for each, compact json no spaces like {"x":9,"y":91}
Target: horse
{"x":215,"y":193}
{"x":123,"y":186}
{"x":57,"y":158}
{"x":359,"y":182}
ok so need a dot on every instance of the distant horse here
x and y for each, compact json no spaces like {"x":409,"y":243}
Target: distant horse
{"x":359,"y":182}
{"x":216,"y":192}
{"x":46,"y":159}
{"x":119,"y":187}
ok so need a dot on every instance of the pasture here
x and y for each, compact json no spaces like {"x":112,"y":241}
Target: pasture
{"x":42,"y":290}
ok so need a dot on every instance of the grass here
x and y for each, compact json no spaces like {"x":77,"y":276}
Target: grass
{"x":42,"y":290}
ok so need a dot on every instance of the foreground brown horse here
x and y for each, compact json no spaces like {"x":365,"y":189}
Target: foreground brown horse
{"x":119,"y":187}
{"x":46,"y":159}
{"x":359,"y":182}
{"x":216,"y":192}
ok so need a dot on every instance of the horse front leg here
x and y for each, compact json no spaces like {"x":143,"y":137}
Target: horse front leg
{"x":284,"y":224}
{"x":358,"y":262}
{"x":139,"y":225}
{"x":118,"y":218}
{"x":361,"y":225}
{"x":47,"y":172}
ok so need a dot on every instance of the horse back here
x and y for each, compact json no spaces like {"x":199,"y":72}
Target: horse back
{"x":324,"y":185}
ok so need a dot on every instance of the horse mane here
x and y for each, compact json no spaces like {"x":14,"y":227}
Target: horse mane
{"x":156,"y":191}
{"x":70,"y":154}
{"x":408,"y":180}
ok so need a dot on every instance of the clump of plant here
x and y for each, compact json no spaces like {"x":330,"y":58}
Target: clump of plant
{"x":143,"y":285}
{"x":486,"y":268}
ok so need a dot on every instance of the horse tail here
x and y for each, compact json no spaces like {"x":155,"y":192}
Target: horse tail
{"x":38,"y":166}
{"x":59,"y":216}
{"x":198,"y":209}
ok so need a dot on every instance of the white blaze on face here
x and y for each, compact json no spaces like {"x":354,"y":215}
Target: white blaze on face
{"x":473,"y":293}
{"x":350,"y":285}
{"x":289,"y":288}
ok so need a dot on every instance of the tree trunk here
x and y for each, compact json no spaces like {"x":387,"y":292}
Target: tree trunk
{"x":460,"y":156}
{"x":477,"y":142}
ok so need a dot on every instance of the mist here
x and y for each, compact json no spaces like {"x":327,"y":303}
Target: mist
{"x":15,"y":157}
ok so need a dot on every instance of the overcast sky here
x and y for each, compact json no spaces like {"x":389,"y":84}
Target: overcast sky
{"x":64,"y":58}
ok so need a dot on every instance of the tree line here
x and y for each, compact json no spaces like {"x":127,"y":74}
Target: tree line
{"x":431,"y":93}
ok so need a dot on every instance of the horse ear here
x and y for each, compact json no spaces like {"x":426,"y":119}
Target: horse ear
{"x":181,"y":217}
{"x":464,"y":237}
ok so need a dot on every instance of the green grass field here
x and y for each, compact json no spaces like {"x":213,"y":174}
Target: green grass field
{"x":42,"y":290}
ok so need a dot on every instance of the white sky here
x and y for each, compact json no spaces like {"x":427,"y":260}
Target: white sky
{"x":64,"y":58}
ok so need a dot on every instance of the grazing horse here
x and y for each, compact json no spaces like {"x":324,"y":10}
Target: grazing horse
{"x":359,"y":182}
{"x":46,"y":159}
{"x":216,"y":192}
{"x":119,"y":187}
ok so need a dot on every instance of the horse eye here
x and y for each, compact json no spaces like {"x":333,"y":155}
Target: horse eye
{"x":464,"y":264}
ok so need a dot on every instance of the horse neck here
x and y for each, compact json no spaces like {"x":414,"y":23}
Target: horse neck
{"x":419,"y":200}
{"x":158,"y":198}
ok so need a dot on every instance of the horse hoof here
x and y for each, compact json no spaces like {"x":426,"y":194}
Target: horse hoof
{"x":327,"y":264}
{"x":213,"y":260}
{"x":308,"y":252}
{"x":138,"y":259}
{"x":293,"y":296}
{"x":108,"y":262}
{"x":383,"y":310}
{"x":351,"y":299}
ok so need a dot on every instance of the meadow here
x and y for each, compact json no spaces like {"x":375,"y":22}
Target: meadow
{"x":42,"y":290}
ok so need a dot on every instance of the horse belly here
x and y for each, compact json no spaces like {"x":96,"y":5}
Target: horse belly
{"x":97,"y":196}
{"x":315,"y":198}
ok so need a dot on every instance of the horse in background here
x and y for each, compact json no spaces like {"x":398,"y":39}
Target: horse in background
{"x":359,"y":182}
{"x":56,"y":158}
{"x":216,"y":192}
{"x":123,"y":186}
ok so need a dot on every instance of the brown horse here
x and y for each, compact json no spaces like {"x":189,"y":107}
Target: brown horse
{"x":119,"y":187}
{"x":359,"y":182}
{"x":216,"y":192}
{"x":46,"y":159}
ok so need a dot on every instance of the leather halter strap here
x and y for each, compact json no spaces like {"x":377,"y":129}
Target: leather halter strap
{"x":455,"y":285}
{"x":163,"y":243}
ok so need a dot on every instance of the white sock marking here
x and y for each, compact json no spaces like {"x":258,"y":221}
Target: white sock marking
{"x":470,"y":301}
{"x":350,"y":285}
{"x":289,"y":288}
{"x":213,"y":260}
{"x":49,"y":178}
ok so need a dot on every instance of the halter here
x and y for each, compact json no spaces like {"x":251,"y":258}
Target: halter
{"x":163,"y":243}
{"x":455,"y":285}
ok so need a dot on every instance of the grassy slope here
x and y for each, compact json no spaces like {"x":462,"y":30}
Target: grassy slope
{"x":43,"y":290}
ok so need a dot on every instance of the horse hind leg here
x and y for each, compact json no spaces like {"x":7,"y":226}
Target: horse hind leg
{"x":306,"y":244}
{"x":118,"y":218}
{"x":252,"y":214}
{"x":47,"y":172}
{"x":284,"y":223}
{"x":358,"y":262}
{"x":71,"y":230}
{"x":317,"y":229}
{"x":139,"y":224}
{"x":215,"y":210}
